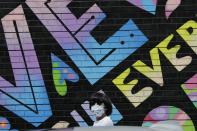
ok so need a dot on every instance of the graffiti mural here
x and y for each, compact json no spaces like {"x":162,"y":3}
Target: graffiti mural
{"x":28,"y":95}
{"x":163,"y":113}
{"x":56,"y":53}
{"x":191,"y":90}
{"x":62,"y":72}
{"x":148,"y":5}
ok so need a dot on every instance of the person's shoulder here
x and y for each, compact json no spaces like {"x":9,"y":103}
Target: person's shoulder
{"x":108,"y":120}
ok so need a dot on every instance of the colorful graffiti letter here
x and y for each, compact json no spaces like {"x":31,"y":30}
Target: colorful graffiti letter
{"x":148,"y":5}
{"x":190,"y":88}
{"x":62,"y":72}
{"x":28,"y":97}
{"x":78,"y":43}
{"x":4,"y":124}
{"x":166,"y":113}
{"x":171,"y":5}
{"x":155,"y":73}
{"x":135,"y":99}
{"x":171,"y":54}
{"x":189,"y":37}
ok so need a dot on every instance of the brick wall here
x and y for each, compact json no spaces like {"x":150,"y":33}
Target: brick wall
{"x":54,"y":54}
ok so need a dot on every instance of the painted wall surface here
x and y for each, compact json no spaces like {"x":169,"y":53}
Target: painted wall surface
{"x":55,"y":53}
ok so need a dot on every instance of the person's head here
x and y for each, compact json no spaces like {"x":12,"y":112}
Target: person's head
{"x":100,"y":105}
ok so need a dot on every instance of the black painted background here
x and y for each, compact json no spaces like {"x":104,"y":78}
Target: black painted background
{"x":155,"y":27}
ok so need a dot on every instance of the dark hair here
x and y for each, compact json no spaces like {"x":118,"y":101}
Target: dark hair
{"x":100,"y":98}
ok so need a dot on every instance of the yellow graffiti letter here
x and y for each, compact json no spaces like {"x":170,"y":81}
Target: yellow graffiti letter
{"x":155,"y":73}
{"x":170,"y":54}
{"x":190,"y":38}
{"x":135,"y":99}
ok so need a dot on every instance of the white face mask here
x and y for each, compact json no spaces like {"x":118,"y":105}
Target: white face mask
{"x":98,"y":110}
